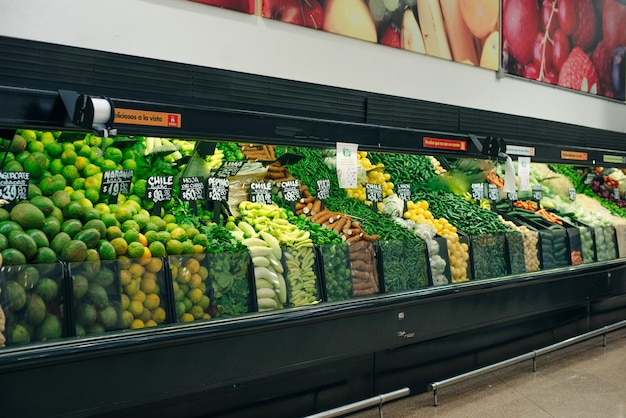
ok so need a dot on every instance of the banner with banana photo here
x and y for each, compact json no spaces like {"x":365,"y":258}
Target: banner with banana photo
{"x":458,"y":30}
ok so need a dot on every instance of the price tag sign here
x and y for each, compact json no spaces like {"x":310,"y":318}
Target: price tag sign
{"x":374,"y":194}
{"x":537,"y":193}
{"x":512,"y":196}
{"x":217,"y":189}
{"x":115,"y":183}
{"x":191,"y":190}
{"x":478,"y":191}
{"x":261,"y":192}
{"x":229,"y":168}
{"x":493,"y":192}
{"x":404,"y":191}
{"x":291,"y":190}
{"x":14,"y":186}
{"x":323,"y":189}
{"x":589,"y":178}
{"x":617,"y":194}
{"x":159,"y":190}
{"x":572,"y":193}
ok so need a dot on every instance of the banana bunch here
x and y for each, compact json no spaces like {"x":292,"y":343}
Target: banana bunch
{"x":215,"y":160}
{"x":301,"y":277}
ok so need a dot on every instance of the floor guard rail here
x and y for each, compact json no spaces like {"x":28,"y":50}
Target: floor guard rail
{"x":363,"y":404}
{"x":434,"y":386}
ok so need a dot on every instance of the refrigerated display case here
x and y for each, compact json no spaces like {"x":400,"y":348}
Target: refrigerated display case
{"x":363,"y":326}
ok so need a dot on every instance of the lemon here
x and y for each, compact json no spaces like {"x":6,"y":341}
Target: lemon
{"x":113,"y":232}
{"x":187,"y":317}
{"x":137,"y":324}
{"x":125,"y":213}
{"x":93,"y":181}
{"x":139,"y":296}
{"x":158,"y":315}
{"x":124,"y":262}
{"x":125,"y":277}
{"x":150,"y":323}
{"x":197,"y":311}
{"x":125,"y":301}
{"x":142,"y":240}
{"x":204,"y":302}
{"x":148,"y":285}
{"x":136,"y":270}
{"x":195,"y":280}
{"x":203,"y":272}
{"x":152,"y":301}
{"x":136,"y":308}
{"x":192,"y":265}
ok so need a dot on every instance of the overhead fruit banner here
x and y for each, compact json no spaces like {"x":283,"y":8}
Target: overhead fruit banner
{"x":458,"y":30}
{"x":246,"y":6}
{"x":577,"y":44}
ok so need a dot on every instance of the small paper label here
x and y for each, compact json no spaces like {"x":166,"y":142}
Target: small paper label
{"x":523,"y":172}
{"x":617,"y":194}
{"x":347,"y":164}
{"x":572,"y":193}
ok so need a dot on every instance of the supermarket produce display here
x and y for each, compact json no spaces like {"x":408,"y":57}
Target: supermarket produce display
{"x":107,"y":234}
{"x":134,"y":239}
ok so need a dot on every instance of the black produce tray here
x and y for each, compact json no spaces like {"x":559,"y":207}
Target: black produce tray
{"x":234,"y":292}
{"x":34,"y":300}
{"x":515,"y":252}
{"x":488,"y":256}
{"x":290,"y":286}
{"x":334,"y":265}
{"x":443,"y":253}
{"x":405,"y":266}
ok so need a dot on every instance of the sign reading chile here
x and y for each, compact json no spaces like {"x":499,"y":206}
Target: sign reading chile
{"x":445,"y":144}
{"x":147,"y":118}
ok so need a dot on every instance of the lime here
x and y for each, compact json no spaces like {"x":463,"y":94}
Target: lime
{"x":56,"y":166}
{"x":78,"y":183}
{"x":107,"y":250}
{"x":120,"y":245}
{"x":174,"y":247}
{"x":135,"y":250}
{"x":29,"y":135}
{"x":108,"y":165}
{"x":54,"y":149}
{"x":73,"y":210}
{"x":85,"y":151}
{"x":93,"y":194}
{"x":114,"y":154}
{"x":81,"y":163}
{"x":188,"y":247}
{"x":68,"y":146}
{"x":114,"y":232}
{"x":157,"y":249}
{"x":35,"y":146}
{"x":93,"y":181}
{"x":68,"y":157}
{"x":70,"y":172}
{"x":85,"y":203}
{"x":108,"y":219}
{"x":131,"y":235}
{"x":103,"y":208}
{"x":77,"y":195}
{"x":129,"y":165}
{"x":91,"y":169}
{"x":130,"y":224}
{"x":164,"y":237}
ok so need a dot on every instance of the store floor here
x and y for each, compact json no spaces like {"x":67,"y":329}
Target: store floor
{"x":584,"y":380}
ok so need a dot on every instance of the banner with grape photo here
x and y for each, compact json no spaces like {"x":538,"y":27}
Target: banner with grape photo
{"x":459,"y":30}
{"x":246,"y":6}
{"x":577,"y":44}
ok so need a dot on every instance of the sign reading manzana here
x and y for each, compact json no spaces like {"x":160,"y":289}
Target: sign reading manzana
{"x":464,"y":31}
{"x":577,"y":44}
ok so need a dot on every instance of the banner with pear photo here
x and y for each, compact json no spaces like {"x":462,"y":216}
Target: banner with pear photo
{"x":576,"y":44}
{"x":463,"y":31}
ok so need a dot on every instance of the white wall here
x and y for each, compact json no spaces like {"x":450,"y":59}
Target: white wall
{"x":193,"y":33}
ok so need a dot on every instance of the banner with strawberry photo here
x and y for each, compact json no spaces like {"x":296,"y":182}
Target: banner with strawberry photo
{"x":577,"y":44}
